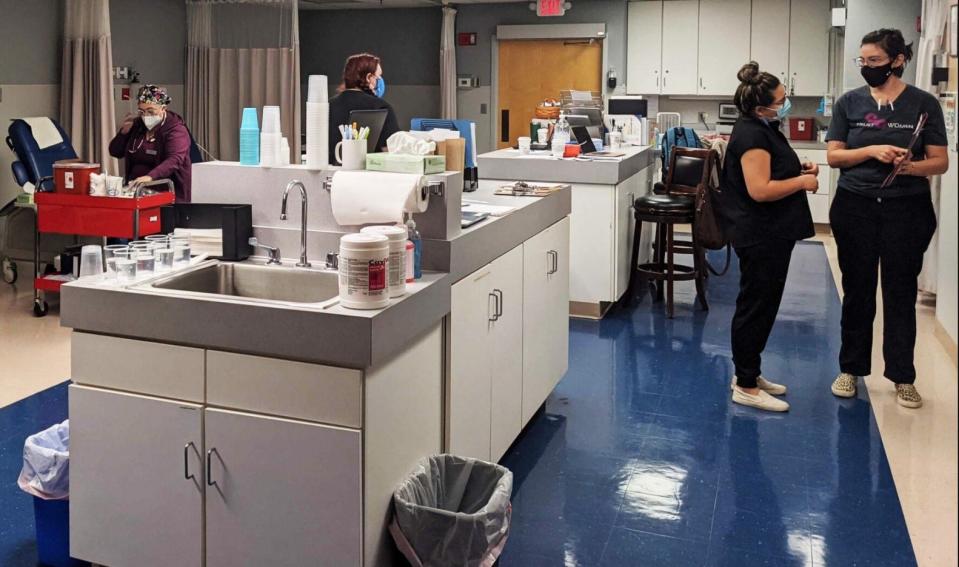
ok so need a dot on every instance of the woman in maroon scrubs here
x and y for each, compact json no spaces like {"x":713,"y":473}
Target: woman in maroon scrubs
{"x":155,"y":143}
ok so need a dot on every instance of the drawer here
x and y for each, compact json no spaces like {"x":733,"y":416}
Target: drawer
{"x":311,"y":392}
{"x":819,"y":206}
{"x":143,"y":367}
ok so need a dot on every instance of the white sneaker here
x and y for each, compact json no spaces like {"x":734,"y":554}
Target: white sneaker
{"x":765,"y":385}
{"x":844,"y":386}
{"x":763,"y":400}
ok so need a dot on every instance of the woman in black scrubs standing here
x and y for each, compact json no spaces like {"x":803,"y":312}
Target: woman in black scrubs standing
{"x":766,"y":212}
{"x":889,"y":226}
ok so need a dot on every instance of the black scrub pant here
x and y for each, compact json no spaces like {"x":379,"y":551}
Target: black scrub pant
{"x":880,"y":238}
{"x":762,"y":278}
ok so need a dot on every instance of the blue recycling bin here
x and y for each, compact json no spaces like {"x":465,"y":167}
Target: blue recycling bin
{"x":52,"y":519}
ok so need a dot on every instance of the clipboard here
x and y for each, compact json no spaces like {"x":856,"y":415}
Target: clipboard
{"x":920,"y":126}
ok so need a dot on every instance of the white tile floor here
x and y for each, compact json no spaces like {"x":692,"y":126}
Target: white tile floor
{"x":921,"y":444}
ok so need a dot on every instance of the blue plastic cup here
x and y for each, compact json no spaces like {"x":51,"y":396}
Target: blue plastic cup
{"x":249,"y":119}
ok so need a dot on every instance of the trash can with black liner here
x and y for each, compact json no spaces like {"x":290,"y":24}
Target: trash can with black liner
{"x":453,"y":511}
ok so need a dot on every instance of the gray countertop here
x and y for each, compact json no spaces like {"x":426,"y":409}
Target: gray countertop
{"x":807,"y":145}
{"x":325,"y":332}
{"x":540,"y":166}
{"x":482,"y":243}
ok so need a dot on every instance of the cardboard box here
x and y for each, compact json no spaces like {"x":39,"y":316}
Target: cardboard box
{"x":403,"y":163}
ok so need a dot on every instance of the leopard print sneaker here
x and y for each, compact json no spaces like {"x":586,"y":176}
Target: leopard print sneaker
{"x":844,"y":385}
{"x":908,"y":396}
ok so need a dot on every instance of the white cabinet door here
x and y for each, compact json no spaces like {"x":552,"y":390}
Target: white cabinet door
{"x":720,"y":59}
{"x":819,"y":207}
{"x":545,"y":314}
{"x":644,"y":35}
{"x":136,"y":479}
{"x":286,"y":492}
{"x":592,"y":225}
{"x":809,"y":23}
{"x":471,"y":311}
{"x":624,"y":227}
{"x":506,"y":416}
{"x":770,"y":37}
{"x":680,"y":47}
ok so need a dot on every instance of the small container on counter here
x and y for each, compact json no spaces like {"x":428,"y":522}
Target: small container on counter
{"x":397,"y":241}
{"x":414,"y":236}
{"x":410,"y":271}
{"x":363,"y":271}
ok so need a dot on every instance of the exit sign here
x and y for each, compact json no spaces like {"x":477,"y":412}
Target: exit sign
{"x":550,"y":7}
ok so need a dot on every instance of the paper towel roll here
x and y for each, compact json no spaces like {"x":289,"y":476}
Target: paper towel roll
{"x":364,"y":197}
{"x":317,"y":134}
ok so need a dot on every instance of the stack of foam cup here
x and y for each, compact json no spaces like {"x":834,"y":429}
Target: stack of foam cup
{"x":271,"y":138}
{"x":317,"y":123}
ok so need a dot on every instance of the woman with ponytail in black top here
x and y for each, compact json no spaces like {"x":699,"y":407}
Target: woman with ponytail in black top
{"x":766,"y":212}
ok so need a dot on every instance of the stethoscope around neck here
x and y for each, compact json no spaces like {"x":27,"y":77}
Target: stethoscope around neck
{"x":139,"y":141}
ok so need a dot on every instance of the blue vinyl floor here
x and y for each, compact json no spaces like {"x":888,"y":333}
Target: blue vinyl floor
{"x":640,"y":458}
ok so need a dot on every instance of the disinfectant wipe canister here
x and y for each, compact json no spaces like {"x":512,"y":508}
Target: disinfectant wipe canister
{"x":364,"y":271}
{"x":397,"y":238}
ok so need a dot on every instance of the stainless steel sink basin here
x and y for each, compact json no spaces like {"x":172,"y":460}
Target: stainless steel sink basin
{"x":256,"y":282}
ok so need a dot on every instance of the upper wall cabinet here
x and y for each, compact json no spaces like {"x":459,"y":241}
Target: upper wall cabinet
{"x":693,"y":47}
{"x":809,"y":23}
{"x":723,"y":48}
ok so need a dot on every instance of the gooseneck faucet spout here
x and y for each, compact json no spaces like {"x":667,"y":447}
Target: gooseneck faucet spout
{"x":303,"y":263}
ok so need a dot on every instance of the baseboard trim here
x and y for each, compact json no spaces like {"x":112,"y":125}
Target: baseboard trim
{"x":584,"y":310}
{"x":947,"y":342}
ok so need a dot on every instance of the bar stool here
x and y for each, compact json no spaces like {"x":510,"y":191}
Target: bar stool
{"x":672,"y":203}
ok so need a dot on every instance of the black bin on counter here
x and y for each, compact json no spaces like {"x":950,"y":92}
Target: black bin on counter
{"x":236,"y":221}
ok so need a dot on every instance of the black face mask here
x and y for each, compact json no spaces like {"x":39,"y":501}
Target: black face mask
{"x":877,"y":76}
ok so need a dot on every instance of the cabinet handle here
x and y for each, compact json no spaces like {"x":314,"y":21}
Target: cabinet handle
{"x":209,"y":467}
{"x":549,"y":262}
{"x":499,"y":303}
{"x":657,"y":77}
{"x":701,"y":83}
{"x":495,"y":316}
{"x":186,"y":461}
{"x":554,"y":262}
{"x":792,"y":85}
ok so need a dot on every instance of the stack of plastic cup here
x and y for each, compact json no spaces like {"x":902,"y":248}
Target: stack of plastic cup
{"x":271,"y":137}
{"x":91,"y":262}
{"x":317,"y":123}
{"x":249,"y":138}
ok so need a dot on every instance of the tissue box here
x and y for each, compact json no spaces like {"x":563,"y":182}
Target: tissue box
{"x":404,"y":163}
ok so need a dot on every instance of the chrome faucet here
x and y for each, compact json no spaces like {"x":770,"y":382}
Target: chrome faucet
{"x":303,"y":263}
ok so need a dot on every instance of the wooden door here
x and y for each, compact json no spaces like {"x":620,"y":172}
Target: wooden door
{"x":136,"y":479}
{"x":506,"y":392}
{"x":286,"y":492}
{"x":533,"y":70}
{"x":644,"y":38}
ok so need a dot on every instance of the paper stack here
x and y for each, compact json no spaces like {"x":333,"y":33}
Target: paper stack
{"x":207,"y":241}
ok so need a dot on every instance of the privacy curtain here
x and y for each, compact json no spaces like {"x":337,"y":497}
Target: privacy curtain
{"x":935,"y":15}
{"x":448,"y":64}
{"x":241,"y":53}
{"x":86,"y":81}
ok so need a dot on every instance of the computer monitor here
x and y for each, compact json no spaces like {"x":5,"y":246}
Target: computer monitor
{"x":629,"y":105}
{"x":372,"y":119}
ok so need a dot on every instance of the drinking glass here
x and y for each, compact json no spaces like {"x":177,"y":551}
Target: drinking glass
{"x":164,"y":259}
{"x":158,"y":240}
{"x":126,"y":265}
{"x":181,"y":250}
{"x":146,"y":261}
{"x":109,"y":253}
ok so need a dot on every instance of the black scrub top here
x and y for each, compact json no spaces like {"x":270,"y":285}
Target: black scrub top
{"x":860,"y":121}
{"x":746,"y":221}
{"x":347,"y":101}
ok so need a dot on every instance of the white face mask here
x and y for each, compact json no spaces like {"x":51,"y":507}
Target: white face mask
{"x":151,"y":121}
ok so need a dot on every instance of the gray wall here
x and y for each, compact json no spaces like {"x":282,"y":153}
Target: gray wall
{"x":150,"y":36}
{"x":864,"y":16}
{"x":30,"y":32}
{"x":410,"y":59}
